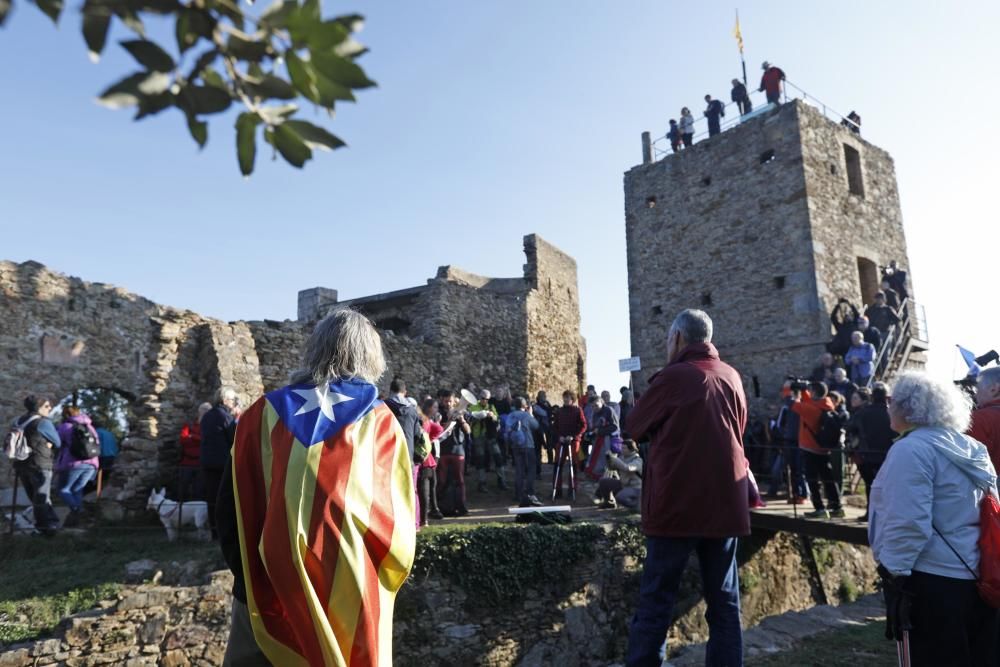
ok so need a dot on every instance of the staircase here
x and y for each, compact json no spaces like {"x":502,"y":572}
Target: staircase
{"x":907,"y":341}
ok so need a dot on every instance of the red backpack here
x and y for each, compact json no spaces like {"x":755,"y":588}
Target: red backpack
{"x":988,"y":581}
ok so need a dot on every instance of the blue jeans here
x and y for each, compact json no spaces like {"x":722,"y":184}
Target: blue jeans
{"x":666,"y":558}
{"x":73,"y":482}
{"x":524,"y":473}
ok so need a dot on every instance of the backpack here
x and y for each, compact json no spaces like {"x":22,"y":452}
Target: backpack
{"x":83,"y":444}
{"x":517,"y":434}
{"x":15,"y":444}
{"x":988,"y":581}
{"x":831,"y":429}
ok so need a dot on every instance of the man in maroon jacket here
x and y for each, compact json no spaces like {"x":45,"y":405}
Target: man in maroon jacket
{"x":770,"y":82}
{"x":694,"y":491}
{"x":568,"y":425}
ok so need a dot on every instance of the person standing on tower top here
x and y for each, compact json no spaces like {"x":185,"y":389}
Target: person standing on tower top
{"x":740,"y":95}
{"x":770,"y":83}
{"x":674,"y":135}
{"x":687,"y":127}
{"x":714,"y":113}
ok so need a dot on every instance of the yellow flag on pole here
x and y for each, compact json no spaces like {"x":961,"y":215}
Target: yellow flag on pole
{"x":737,"y":34}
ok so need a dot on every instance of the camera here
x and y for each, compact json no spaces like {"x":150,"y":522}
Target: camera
{"x":797,"y":383}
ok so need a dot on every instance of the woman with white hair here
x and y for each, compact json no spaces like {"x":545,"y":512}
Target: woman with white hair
{"x":924,"y":526}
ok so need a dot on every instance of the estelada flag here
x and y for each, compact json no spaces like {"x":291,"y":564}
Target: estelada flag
{"x":737,"y":33}
{"x":325,"y":509}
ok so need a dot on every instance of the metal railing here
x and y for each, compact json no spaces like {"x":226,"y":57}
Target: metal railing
{"x":899,"y":341}
{"x":661,"y":144}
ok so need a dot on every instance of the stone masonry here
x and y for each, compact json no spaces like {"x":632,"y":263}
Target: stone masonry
{"x":764,"y":226}
{"x":61,"y":334}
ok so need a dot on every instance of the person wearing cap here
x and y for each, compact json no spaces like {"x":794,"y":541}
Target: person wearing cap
{"x":770,"y":82}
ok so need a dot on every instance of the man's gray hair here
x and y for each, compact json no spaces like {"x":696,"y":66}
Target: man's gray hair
{"x":226,"y":394}
{"x":926,"y":401}
{"x":694,"y":325}
{"x":344,"y":344}
{"x":988,"y":378}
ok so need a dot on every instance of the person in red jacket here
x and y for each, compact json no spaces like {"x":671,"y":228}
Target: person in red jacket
{"x":190,"y":463}
{"x":694,"y":491}
{"x":770,"y":82}
{"x":986,"y":417}
{"x":567,"y":422}
{"x":810,"y":405}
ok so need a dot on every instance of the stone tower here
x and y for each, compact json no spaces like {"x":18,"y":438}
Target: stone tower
{"x":765,"y":227}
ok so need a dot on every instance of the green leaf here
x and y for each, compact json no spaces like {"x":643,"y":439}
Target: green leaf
{"x":198,"y":130}
{"x":313,"y":85}
{"x":314,"y":136}
{"x":129,"y":91}
{"x":205,"y":99}
{"x":213,"y":78}
{"x":149,"y":55}
{"x":191,"y":25}
{"x":246,"y":141}
{"x":150,"y":105}
{"x":326,"y":35}
{"x":291,"y":146}
{"x":95,"y":31}
{"x":51,"y":8}
{"x":340,"y":70}
{"x":246,"y":48}
{"x":203,"y":63}
{"x":270,"y":87}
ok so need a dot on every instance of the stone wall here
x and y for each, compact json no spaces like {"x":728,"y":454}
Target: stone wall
{"x":62,"y":334}
{"x":578,"y":618}
{"x":757,"y":226}
{"x":521,"y":333}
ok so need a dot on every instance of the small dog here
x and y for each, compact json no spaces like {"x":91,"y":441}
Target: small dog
{"x":173,"y":516}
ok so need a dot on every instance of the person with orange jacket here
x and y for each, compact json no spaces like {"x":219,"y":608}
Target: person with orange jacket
{"x":810,"y":404}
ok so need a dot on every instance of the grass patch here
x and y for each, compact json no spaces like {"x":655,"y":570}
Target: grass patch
{"x":859,"y":645}
{"x":46,"y":579}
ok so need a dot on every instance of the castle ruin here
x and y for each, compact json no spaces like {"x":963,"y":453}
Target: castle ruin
{"x":61,"y":334}
{"x":764,"y":226}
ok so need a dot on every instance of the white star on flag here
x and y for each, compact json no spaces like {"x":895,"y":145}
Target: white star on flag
{"x":320,"y":398}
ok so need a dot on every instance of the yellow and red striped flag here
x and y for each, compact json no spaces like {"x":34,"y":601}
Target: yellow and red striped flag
{"x":738,"y":34}
{"x":325,"y":510}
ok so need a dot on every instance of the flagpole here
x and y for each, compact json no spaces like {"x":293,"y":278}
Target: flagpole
{"x":742,"y":60}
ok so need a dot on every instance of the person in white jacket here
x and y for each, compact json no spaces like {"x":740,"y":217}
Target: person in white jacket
{"x":687,"y":127}
{"x":622,"y":481}
{"x":924,"y":526}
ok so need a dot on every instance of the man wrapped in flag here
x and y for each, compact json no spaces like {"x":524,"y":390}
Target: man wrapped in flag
{"x":316,"y":513}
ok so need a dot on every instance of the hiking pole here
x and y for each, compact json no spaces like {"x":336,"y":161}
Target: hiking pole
{"x":572,"y":473}
{"x":791,"y":492}
{"x":903,"y":650}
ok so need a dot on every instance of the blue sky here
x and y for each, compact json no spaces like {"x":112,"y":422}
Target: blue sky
{"x":492,"y":120}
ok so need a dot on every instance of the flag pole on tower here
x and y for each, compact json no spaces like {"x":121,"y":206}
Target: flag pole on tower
{"x":739,"y":42}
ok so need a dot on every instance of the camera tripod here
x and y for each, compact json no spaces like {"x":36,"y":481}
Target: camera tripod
{"x":565,"y":454}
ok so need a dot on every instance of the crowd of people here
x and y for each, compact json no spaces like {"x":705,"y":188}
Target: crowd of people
{"x":319,"y":487}
{"x":69,"y":458}
{"x":682,"y":134}
{"x":451,"y":437}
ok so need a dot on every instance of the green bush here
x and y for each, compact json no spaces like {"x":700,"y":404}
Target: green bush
{"x":498,"y":562}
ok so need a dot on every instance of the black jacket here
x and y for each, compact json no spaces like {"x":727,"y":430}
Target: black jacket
{"x":409,"y":421}
{"x":218,"y":428}
{"x":43,"y":448}
{"x":871,"y":425}
{"x":738,"y":93}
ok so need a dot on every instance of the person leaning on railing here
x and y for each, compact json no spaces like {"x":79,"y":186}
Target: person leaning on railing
{"x":924,"y":526}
